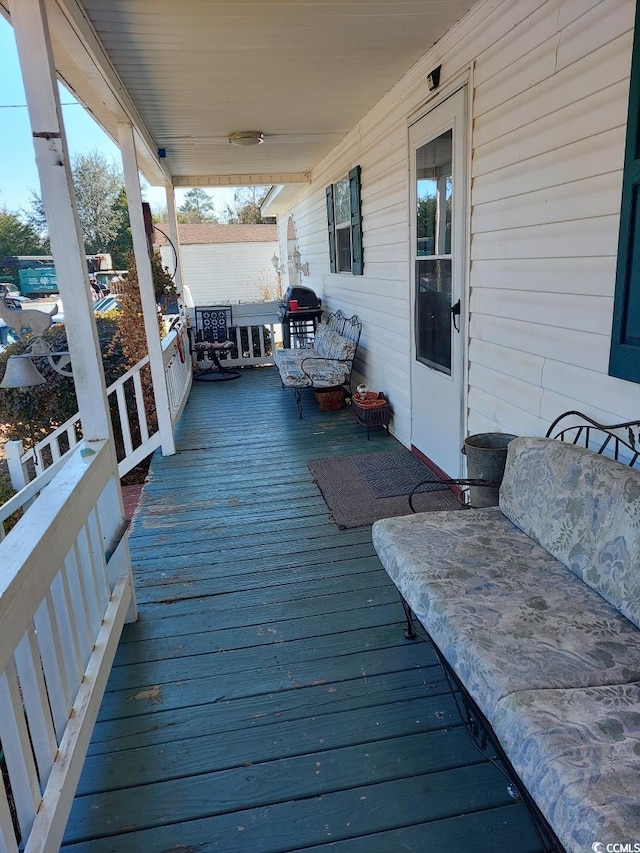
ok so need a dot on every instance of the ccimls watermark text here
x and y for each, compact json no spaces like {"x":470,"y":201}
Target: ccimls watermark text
{"x":629,"y":847}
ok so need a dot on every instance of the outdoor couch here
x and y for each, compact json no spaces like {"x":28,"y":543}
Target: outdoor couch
{"x":535,"y":607}
{"x":327,"y":364}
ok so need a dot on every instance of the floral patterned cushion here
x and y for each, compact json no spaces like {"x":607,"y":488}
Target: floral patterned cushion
{"x":582,"y":508}
{"x":578,"y":753}
{"x":325,"y":365}
{"x":505,"y":613}
{"x":531,"y":616}
{"x":329,"y":344}
{"x":304,"y":368}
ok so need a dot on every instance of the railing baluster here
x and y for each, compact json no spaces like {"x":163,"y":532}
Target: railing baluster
{"x":239,"y":342}
{"x":64,"y":646}
{"x":14,"y":736}
{"x":140,"y":409}
{"x":125,"y":427}
{"x":67,"y":628}
{"x":98,"y":564}
{"x":79,"y":604}
{"x":54,"y":447}
{"x":8,"y":843}
{"x":90,"y":592}
{"x":51,"y":654}
{"x":36,"y":704}
{"x":72,"y":436}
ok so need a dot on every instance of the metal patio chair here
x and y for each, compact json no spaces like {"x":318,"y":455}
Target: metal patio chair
{"x":211,"y":339}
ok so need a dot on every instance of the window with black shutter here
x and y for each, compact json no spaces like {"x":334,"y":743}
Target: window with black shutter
{"x":344,"y":221}
{"x":624,"y":361}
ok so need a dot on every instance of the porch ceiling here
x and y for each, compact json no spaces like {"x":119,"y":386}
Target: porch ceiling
{"x":189,"y":73}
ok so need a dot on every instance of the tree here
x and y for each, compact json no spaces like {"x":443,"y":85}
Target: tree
{"x":246,"y":207}
{"x":426,"y":219}
{"x":98,"y":185}
{"x":18,"y":237}
{"x":122,"y":244}
{"x":197,"y":206}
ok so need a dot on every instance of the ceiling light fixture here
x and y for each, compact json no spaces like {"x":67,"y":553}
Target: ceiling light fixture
{"x":246,"y":138}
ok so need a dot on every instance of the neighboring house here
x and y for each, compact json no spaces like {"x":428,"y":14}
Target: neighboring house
{"x":536,"y":95}
{"x":224,"y":263}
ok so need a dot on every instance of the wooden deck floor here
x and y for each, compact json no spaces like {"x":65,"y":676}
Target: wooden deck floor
{"x":266,"y":700}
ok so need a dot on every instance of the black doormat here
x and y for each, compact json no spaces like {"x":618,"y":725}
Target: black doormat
{"x":395,"y":472}
{"x":363,"y":488}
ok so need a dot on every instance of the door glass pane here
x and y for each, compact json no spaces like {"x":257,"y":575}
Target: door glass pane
{"x":434,"y":195}
{"x":433,"y":313}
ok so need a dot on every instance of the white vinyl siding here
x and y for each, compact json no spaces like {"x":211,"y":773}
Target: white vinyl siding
{"x":225,"y":272}
{"x":550,"y":81}
{"x":550,"y":111}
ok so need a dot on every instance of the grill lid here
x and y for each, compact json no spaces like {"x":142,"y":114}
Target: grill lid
{"x":305,"y":295}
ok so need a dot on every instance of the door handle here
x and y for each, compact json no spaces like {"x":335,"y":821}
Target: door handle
{"x":455,"y":313}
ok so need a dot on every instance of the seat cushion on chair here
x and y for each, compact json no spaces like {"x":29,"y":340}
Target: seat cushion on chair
{"x":329,"y":344}
{"x":581,"y":507}
{"x":305,"y":368}
{"x":578,"y":753}
{"x":506,"y":615}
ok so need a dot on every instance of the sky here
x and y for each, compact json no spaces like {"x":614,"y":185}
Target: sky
{"x":18,"y":171}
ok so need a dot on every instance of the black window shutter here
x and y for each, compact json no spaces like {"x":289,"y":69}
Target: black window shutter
{"x":624,"y":361}
{"x":357,"y":258}
{"x":332,"y":228}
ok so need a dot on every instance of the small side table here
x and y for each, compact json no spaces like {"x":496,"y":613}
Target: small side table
{"x":368,"y":415}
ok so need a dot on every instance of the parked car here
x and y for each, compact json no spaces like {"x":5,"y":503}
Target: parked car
{"x":12,"y":295}
{"x":105,"y":303}
{"x":8,"y":288}
{"x":7,"y":336}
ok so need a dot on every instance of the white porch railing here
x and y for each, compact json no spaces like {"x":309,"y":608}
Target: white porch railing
{"x":255,"y":331}
{"x":177,"y":368}
{"x":65,"y":593}
{"x":131,"y":428}
{"x":254,"y":345}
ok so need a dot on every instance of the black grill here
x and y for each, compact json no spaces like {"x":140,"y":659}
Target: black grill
{"x":299,"y":326}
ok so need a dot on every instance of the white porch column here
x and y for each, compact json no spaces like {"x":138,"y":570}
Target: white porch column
{"x":145,"y":280}
{"x":172,"y":222}
{"x":38,"y":72}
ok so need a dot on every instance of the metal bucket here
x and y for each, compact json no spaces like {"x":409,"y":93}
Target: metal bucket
{"x":486,"y":455}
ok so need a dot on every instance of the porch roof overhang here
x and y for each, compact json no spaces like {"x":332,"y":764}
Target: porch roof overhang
{"x":186,"y":75}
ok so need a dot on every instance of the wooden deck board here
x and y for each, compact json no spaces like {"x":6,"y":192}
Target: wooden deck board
{"x":161,"y":725}
{"x":298,"y":823}
{"x":276,"y":740}
{"x":266,"y":701}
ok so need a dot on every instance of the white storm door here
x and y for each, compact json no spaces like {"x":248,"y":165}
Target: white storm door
{"x":439,"y":252}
